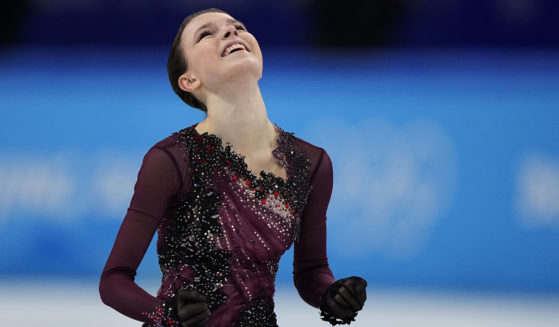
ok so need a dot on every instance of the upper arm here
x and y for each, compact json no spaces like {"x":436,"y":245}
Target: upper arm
{"x":156,"y":187}
{"x":313,"y":222}
{"x":159,"y":182}
{"x":321,"y":191}
{"x":311,"y":272}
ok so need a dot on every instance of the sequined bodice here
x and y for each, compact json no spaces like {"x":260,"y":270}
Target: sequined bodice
{"x":226,"y":237}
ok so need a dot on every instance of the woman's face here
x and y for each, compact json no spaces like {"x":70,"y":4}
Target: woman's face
{"x":218,"y":48}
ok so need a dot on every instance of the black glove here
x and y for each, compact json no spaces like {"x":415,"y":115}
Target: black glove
{"x":343,"y":299}
{"x":192,"y":308}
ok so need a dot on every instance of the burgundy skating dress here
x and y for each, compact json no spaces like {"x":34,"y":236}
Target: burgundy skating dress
{"x":222,"y":230}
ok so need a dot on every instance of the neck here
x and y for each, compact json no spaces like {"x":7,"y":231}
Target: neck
{"x":238,"y":115}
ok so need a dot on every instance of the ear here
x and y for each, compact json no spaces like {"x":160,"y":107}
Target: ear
{"x":189,"y":83}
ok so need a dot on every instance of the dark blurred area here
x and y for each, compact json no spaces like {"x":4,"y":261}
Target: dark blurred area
{"x":11,"y":20}
{"x":324,"y":23}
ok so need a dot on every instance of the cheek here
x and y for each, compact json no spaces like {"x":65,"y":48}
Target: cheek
{"x":254,"y":43}
{"x":256,"y":48}
{"x":201,"y":63}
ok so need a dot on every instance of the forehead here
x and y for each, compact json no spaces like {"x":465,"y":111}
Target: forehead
{"x":201,"y":20}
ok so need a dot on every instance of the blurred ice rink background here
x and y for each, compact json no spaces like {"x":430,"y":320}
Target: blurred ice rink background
{"x":76,"y":304}
{"x":440,"y":118}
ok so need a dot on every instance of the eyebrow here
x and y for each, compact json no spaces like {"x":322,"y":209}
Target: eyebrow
{"x":229,"y":21}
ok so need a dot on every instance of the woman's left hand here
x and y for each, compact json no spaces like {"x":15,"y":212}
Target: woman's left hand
{"x":343,"y":299}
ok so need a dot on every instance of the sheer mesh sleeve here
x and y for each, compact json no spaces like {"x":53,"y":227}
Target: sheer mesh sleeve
{"x":311,"y":273}
{"x":159,"y":181}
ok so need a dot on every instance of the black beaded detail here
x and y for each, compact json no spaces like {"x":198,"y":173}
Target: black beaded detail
{"x":297,"y":186}
{"x":257,"y":313}
{"x":164,"y":315}
{"x":188,"y":239}
{"x":188,"y":243}
{"x":333,"y":320}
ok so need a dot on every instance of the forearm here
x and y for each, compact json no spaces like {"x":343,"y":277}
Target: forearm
{"x":119,"y":291}
{"x":312,"y":280}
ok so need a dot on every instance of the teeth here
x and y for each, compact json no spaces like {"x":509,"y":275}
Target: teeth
{"x":232,"y":48}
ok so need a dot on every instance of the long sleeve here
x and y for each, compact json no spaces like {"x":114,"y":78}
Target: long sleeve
{"x":311,"y":273}
{"x":159,"y":181}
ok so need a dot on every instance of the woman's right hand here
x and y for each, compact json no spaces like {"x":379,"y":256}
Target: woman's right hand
{"x":192,"y":308}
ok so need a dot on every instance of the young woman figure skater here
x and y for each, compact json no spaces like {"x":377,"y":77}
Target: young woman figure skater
{"x":228,"y":196}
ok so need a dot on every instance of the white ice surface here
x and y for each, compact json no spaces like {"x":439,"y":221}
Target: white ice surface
{"x":31,"y":304}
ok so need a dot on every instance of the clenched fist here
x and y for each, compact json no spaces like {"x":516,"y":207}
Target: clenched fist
{"x":192,"y":308}
{"x":343,"y":299}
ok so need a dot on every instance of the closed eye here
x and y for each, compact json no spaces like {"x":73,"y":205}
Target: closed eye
{"x":203,"y":35}
{"x":240,"y":27}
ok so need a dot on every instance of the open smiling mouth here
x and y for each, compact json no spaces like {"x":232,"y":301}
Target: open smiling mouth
{"x":233,"y":48}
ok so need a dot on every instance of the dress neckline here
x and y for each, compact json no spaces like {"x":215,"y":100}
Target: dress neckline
{"x":277,"y":152}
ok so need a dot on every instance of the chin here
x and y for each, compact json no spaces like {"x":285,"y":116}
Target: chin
{"x":240,"y":68}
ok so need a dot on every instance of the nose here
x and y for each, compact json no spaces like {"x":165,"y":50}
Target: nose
{"x":230,"y":30}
